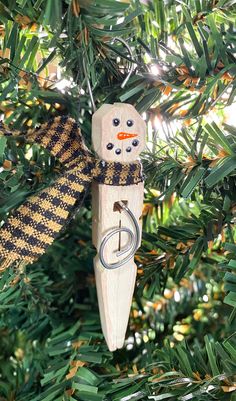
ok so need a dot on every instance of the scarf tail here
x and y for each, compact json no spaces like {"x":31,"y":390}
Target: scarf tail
{"x":33,"y":227}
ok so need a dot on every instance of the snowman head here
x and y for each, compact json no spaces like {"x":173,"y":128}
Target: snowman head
{"x":118,"y":132}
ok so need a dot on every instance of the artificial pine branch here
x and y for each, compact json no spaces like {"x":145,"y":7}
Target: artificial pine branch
{"x":51,"y":346}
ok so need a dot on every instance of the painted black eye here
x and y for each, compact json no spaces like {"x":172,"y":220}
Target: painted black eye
{"x":129,"y":123}
{"x":135,"y":142}
{"x":110,"y":146}
{"x":118,"y":151}
{"x":116,"y":122}
{"x":128,"y":149}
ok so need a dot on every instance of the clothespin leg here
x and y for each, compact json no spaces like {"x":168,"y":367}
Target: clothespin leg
{"x":115,"y":291}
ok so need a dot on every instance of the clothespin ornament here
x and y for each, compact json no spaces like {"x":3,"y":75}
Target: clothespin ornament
{"x":118,"y":135}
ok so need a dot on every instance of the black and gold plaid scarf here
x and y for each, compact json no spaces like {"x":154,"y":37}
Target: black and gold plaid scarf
{"x":36,"y":223}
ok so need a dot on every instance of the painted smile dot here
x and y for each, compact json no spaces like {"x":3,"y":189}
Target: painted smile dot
{"x":116,"y":122}
{"x":110,"y":146}
{"x":135,"y":142}
{"x":118,"y":151}
{"x":128,"y":149}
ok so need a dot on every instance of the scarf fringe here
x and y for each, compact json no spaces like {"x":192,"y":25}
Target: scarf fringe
{"x":5,"y":264}
{"x":9,"y":262}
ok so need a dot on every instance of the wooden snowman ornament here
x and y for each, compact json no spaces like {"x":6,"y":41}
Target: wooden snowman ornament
{"x":118,"y":135}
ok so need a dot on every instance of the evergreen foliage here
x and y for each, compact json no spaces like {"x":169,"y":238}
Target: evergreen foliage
{"x":181,"y":337}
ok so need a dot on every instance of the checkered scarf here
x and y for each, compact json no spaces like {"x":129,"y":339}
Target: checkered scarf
{"x":33,"y":226}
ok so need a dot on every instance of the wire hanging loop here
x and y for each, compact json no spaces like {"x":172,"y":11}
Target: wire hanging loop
{"x":131,"y":69}
{"x":133,"y":243}
{"x":89,"y":87}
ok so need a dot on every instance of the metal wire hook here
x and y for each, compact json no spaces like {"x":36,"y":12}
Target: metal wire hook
{"x":131,"y":56}
{"x":134,"y":239}
{"x":123,"y":83}
{"x":89,"y":87}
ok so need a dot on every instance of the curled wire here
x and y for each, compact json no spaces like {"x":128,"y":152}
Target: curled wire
{"x":133,"y":243}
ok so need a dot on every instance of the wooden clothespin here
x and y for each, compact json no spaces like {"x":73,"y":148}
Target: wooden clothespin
{"x":118,"y":134}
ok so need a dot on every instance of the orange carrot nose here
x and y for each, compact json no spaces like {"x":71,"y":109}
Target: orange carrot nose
{"x":125,"y":135}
